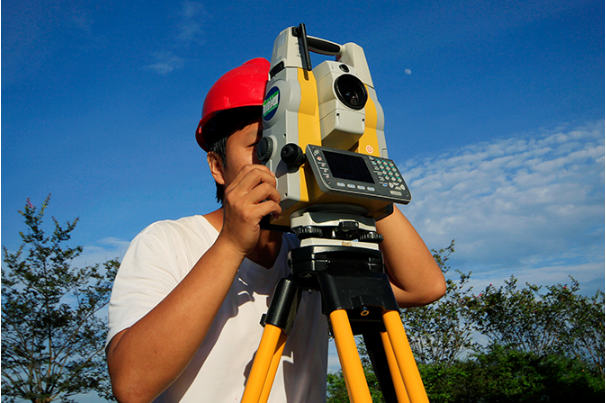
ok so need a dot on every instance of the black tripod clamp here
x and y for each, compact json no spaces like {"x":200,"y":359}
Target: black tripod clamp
{"x":284,"y":305}
{"x":347,"y":277}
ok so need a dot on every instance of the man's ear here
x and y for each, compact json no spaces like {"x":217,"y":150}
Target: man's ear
{"x":215,"y":164}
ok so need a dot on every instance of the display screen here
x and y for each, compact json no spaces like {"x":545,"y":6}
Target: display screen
{"x":350,"y":167}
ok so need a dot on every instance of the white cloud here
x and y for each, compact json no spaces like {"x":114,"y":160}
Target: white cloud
{"x":166,"y":62}
{"x":190,"y":26}
{"x":101,"y":251}
{"x":188,"y":30}
{"x":531,"y":204}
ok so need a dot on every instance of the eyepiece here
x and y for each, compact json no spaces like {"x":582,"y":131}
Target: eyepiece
{"x":265,"y":149}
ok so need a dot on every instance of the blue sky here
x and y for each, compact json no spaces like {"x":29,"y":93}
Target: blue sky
{"x":494,"y":112}
{"x":100,"y":102}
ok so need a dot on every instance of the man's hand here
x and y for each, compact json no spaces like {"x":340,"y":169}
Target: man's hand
{"x":249,"y":197}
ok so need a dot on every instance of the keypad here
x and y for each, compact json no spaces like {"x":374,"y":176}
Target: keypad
{"x":387,"y":173}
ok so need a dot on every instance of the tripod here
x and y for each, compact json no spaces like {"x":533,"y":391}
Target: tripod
{"x":339,"y":257}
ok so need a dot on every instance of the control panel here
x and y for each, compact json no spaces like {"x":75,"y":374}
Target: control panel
{"x":354,"y":174}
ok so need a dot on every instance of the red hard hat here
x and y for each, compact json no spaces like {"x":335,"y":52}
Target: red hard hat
{"x":242,"y":86}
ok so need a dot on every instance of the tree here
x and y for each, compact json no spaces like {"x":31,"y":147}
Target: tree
{"x":583,"y":332}
{"x":337,"y":390}
{"x":558,"y":321}
{"x":545,"y":343}
{"x":52,"y":335}
{"x":502,"y":374}
{"x":442,"y":331}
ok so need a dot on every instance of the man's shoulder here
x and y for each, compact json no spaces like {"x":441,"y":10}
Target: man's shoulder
{"x":195,"y":225}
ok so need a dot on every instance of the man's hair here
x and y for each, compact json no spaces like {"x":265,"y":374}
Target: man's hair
{"x":221,"y":126}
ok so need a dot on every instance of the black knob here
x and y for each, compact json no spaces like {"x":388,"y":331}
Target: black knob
{"x":292,"y":155}
{"x":265,"y":148}
{"x":348,"y":226}
{"x":308,"y":232}
{"x":371,"y":236}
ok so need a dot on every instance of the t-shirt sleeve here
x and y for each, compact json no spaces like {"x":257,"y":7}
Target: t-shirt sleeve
{"x":149,"y":271}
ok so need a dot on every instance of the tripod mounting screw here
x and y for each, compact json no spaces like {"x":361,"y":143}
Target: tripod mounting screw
{"x":347,"y":226}
{"x":346,"y":230}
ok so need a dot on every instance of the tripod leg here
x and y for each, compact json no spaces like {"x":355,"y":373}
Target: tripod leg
{"x":350,"y":360}
{"x":265,"y":365}
{"x":375,"y":348}
{"x":396,"y":376}
{"x":273,"y":368}
{"x":403,"y":354}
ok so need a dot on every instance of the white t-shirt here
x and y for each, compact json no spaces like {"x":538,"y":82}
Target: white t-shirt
{"x":161,"y":256}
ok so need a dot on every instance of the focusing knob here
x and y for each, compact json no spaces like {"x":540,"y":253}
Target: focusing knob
{"x":373,"y":237}
{"x":264,"y":149}
{"x":292,"y":155}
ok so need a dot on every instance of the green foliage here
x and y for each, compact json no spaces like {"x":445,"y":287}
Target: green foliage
{"x":504,"y":374}
{"x":52,"y":338}
{"x":442,"y":331}
{"x":558,"y":321}
{"x":545,"y":344}
{"x":337,"y":391}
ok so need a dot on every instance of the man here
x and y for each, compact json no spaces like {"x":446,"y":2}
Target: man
{"x":189,"y":294}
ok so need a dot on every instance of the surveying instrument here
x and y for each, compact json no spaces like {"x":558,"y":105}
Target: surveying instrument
{"x":323,"y":138}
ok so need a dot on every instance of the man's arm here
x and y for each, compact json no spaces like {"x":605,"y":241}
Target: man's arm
{"x":415,"y":276}
{"x":146,"y":358}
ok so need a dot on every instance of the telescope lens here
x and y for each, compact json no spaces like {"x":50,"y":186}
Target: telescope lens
{"x":351,"y":91}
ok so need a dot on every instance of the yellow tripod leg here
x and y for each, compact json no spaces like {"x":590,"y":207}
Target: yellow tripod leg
{"x":273,"y":368}
{"x":406,"y":362}
{"x":396,"y":376}
{"x":265,"y":365}
{"x":350,"y":360}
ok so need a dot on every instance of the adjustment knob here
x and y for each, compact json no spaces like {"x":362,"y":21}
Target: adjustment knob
{"x":265,"y":149}
{"x":307,"y":232}
{"x":292,"y":155}
{"x":348,"y":226}
{"x":373,"y":237}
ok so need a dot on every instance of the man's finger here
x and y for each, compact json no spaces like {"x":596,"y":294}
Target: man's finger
{"x":252,"y":175}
